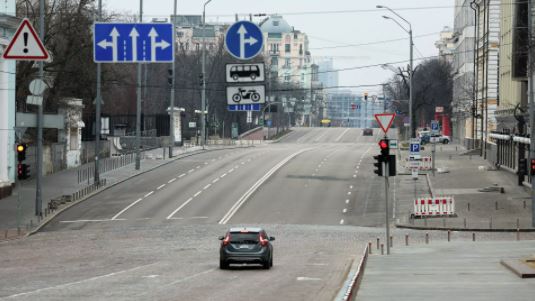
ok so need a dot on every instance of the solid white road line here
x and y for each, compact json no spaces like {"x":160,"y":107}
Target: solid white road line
{"x":160,"y":187}
{"x":179,"y":208}
{"x":93,"y":220}
{"x":189,"y":277}
{"x":251,"y":190}
{"x":341,"y":135}
{"x":61,"y":286}
{"x":127,"y":207}
{"x":171,"y":181}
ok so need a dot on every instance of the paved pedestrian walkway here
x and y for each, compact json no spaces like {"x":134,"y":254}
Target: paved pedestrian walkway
{"x":18,"y":210}
{"x":476,"y":187}
{"x":462,"y":270}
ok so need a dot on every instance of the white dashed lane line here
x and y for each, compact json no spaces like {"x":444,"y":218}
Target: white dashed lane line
{"x":182,"y":175}
{"x":191,"y":170}
{"x":148,"y":194}
{"x":341,"y":222}
{"x":345,"y":210}
{"x":215,"y":180}
{"x":223,"y":175}
{"x":207,"y":186}
{"x":347,"y":201}
{"x":160,"y":187}
{"x":197,"y":194}
{"x":171,"y":181}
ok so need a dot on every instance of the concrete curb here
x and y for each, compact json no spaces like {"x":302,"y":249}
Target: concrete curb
{"x":50,"y":217}
{"x":401,"y":226}
{"x":430,"y":185}
{"x":352,"y":284}
{"x":280,"y":138}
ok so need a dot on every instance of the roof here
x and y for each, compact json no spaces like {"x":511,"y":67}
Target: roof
{"x":275,"y":24}
{"x":250,"y":229}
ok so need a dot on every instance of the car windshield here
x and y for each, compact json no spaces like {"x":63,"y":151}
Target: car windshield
{"x":244,"y":238}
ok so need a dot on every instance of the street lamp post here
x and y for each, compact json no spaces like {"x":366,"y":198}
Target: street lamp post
{"x":203,"y":95}
{"x":172,"y":96}
{"x":409,"y":31}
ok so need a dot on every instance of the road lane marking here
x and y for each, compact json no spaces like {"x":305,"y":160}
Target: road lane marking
{"x":182,"y":175}
{"x":354,"y":176}
{"x":231,"y":170}
{"x":149,"y":194}
{"x":198,"y":167}
{"x":93,"y":220}
{"x":308,"y":279}
{"x":205,"y":163}
{"x":179,"y":208}
{"x":191,"y":170}
{"x":341,"y":222}
{"x":253,"y":188}
{"x":341,"y":135}
{"x":160,"y":187}
{"x":350,"y":186}
{"x":189,"y":277}
{"x":345,"y":210}
{"x":171,"y":181}
{"x":215,"y":180}
{"x":207,"y":186}
{"x":127,"y":207}
{"x":151,"y":276}
{"x":78,"y":282}
{"x":349,"y":193}
{"x":223,"y":175}
{"x":197,"y":194}
{"x":347,"y":201}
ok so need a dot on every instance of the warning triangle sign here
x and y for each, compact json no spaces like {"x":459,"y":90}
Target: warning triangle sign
{"x":385,"y":120}
{"x":26,"y":45}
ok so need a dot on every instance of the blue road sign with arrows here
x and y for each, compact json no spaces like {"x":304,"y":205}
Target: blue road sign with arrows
{"x":133,"y":42}
{"x":244,"y":40}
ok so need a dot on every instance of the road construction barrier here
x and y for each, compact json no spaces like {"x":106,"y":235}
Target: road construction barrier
{"x":424,"y":163}
{"x":438,"y":206}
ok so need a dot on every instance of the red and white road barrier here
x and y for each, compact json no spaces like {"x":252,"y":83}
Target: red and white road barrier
{"x":438,"y":206}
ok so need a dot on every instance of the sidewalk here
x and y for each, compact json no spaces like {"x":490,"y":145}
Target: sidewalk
{"x":466,"y":178}
{"x":444,"y":271}
{"x":18,"y":210}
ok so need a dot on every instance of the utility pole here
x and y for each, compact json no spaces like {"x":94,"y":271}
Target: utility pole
{"x":387,"y":184}
{"x":203,"y":63}
{"x":138,"y":105}
{"x":411,"y":73}
{"x":98,"y":102}
{"x":39,"y":177}
{"x":172,"y":96}
{"x":531,"y":62}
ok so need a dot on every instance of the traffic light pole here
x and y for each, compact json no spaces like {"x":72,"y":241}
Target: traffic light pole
{"x":386,"y":173}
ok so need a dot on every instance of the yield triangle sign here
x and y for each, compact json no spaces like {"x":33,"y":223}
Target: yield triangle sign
{"x":385,"y":120}
{"x":26,"y":45}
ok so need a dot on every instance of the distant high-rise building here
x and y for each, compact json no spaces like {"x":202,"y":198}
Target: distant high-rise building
{"x":327,"y":74}
{"x":446,"y":45}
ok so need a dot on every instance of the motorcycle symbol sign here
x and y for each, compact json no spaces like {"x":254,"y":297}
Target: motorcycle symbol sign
{"x":246,"y":95}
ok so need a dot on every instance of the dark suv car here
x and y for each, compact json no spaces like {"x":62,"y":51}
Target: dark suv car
{"x":246,"y":245}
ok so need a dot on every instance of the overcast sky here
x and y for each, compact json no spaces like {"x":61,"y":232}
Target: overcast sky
{"x":331,"y":23}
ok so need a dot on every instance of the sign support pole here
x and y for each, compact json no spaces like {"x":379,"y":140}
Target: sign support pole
{"x":39,"y":176}
{"x":172,"y":96}
{"x":98,"y":102}
{"x":433,"y":151}
{"x":386,"y":171}
{"x":138,"y":104}
{"x":531,"y":77}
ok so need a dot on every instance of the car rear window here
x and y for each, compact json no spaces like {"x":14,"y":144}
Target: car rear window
{"x":240,"y":237}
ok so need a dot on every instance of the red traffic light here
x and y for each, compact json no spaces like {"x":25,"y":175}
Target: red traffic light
{"x":383,"y":144}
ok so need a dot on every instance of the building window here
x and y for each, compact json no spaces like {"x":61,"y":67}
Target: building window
{"x":274,"y":48}
{"x":287,"y":78}
{"x":287,"y":48}
{"x":275,"y":61}
{"x":179,"y":34}
{"x":287,"y":63}
{"x":197,"y":46}
{"x":300,"y":49}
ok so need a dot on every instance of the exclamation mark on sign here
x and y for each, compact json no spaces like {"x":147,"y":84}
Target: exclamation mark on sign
{"x":25,"y":35}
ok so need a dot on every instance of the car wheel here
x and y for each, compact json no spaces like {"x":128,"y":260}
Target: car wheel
{"x":266,"y":265}
{"x":223,"y":265}
{"x":271,"y":262}
{"x":446,"y":141}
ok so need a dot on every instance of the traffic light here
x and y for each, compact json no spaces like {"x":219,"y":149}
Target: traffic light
{"x":532,"y":171}
{"x":391,"y":165}
{"x":21,"y":152}
{"x":378,"y":165}
{"x":365,"y":95}
{"x":23,"y":171}
{"x":170,"y":77}
{"x":201,"y":79}
{"x":523,"y":166}
{"x":384,"y":144}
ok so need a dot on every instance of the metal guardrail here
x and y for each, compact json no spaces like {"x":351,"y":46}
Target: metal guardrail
{"x":85,"y":173}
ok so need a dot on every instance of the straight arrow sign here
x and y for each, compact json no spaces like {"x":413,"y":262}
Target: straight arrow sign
{"x":134,"y":35}
{"x":385,"y":120}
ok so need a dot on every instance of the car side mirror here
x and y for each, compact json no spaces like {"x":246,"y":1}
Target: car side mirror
{"x":221,"y":237}
{"x":271,"y":238}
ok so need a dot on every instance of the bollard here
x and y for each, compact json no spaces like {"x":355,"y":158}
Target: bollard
{"x":465,"y":222}
{"x":31,"y":223}
{"x":444,"y":222}
{"x":391,"y":241}
{"x":517,"y":233}
{"x":524,"y":204}
{"x":490,"y":223}
{"x":496,"y":205}
{"x":382,"y":250}
{"x":5,"y":234}
{"x":468,"y":206}
{"x":449,"y":235}
{"x":406,"y":239}
{"x":426,"y":238}
{"x":473,"y":236}
{"x":377,"y":243}
{"x":370,"y":247}
{"x":518,"y":223}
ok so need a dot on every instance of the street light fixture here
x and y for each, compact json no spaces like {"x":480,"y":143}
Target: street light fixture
{"x":409,"y":31}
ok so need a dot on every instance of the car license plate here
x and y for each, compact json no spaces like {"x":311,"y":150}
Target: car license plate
{"x":244,"y":247}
